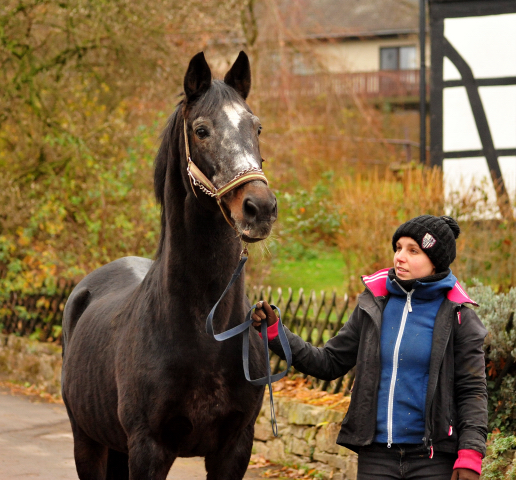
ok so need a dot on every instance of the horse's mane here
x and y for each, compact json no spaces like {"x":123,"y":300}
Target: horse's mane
{"x":207,"y":105}
{"x":165,"y":152}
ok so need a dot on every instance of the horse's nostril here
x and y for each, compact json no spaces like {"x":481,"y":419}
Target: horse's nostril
{"x":250,"y":209}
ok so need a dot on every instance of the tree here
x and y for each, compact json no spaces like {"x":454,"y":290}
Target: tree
{"x":83,"y":82}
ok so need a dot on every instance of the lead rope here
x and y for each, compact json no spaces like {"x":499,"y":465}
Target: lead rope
{"x":244,"y":328}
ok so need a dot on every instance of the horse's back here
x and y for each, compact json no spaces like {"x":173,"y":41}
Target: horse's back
{"x":116,"y":278}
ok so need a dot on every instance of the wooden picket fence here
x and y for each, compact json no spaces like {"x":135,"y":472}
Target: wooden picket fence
{"x":38,"y":316}
{"x":315,"y":318}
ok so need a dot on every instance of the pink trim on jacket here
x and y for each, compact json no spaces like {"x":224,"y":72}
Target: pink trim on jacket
{"x":377,"y":284}
{"x":470,"y":459}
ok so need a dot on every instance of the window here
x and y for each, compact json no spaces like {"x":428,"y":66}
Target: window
{"x":302,"y":65}
{"x":398,"y":58}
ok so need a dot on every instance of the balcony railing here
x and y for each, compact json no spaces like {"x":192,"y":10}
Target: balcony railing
{"x":385,"y":83}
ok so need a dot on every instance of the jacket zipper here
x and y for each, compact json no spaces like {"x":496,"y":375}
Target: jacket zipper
{"x":429,"y":446}
{"x":406,"y":310}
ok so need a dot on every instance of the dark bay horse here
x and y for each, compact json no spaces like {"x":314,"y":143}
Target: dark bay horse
{"x":142,"y":381}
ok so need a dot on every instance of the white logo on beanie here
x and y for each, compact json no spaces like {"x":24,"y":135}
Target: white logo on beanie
{"x":428,"y":241}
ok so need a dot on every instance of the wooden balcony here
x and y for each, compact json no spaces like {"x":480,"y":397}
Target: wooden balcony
{"x":373,"y":85}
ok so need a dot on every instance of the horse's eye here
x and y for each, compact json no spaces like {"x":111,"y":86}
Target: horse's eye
{"x":259,"y":130}
{"x":201,"y":132}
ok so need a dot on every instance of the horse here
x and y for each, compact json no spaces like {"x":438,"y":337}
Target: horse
{"x":142,"y":381}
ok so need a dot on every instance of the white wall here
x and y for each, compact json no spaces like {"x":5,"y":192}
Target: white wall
{"x":361,"y":55}
{"x":488,"y":45}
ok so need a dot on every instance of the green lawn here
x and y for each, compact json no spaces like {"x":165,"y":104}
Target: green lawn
{"x":325,"y":271}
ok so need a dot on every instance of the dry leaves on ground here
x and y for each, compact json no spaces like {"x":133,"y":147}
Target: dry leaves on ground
{"x":31,"y":391}
{"x":299,"y":390}
{"x":290,"y":472}
{"x":270,"y":470}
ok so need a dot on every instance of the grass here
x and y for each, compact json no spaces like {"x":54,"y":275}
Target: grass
{"x":318,"y":270}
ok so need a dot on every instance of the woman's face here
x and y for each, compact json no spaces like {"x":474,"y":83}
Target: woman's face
{"x":410,"y":261}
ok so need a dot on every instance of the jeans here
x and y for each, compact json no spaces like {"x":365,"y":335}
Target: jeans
{"x":403,"y":461}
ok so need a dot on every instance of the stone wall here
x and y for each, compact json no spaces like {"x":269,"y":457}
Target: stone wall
{"x":29,"y":361}
{"x":306,"y":437}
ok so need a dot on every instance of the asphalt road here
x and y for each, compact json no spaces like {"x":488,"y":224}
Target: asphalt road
{"x":36,"y":442}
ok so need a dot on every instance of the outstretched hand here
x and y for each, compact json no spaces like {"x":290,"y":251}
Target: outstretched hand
{"x":464,"y":474}
{"x":263,"y":311}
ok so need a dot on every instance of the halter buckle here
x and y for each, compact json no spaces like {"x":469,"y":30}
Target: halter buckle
{"x":244,"y":251}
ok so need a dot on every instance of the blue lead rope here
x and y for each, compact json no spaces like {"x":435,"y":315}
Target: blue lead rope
{"x":244,"y":327}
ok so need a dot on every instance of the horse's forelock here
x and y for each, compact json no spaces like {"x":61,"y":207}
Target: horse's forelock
{"x":212,"y":101}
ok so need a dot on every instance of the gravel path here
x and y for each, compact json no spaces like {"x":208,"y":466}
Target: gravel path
{"x":36,"y":442}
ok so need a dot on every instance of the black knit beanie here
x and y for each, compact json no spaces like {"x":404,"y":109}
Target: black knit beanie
{"x":435,"y":235}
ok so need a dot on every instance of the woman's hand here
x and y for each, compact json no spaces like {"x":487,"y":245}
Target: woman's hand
{"x":263,"y":311}
{"x":464,"y":474}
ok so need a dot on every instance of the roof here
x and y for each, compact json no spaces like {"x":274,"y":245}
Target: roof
{"x":327,"y":19}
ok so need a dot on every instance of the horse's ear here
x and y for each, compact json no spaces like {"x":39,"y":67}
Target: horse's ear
{"x":198,"y":77}
{"x":239,"y":75}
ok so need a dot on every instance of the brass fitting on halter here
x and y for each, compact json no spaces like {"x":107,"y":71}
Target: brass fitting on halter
{"x":244,"y":251}
{"x":198,"y":179}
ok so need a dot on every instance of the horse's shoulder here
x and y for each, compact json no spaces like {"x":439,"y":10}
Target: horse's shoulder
{"x":110,"y":283}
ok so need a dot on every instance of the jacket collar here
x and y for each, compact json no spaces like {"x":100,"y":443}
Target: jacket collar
{"x":377,"y":284}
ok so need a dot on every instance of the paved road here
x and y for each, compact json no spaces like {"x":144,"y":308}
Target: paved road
{"x":36,"y":442}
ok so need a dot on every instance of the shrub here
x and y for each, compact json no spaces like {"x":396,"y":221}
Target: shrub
{"x":499,"y":463}
{"x":497,"y":314}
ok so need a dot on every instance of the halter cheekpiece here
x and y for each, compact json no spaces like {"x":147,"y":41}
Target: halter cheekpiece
{"x":198,"y":179}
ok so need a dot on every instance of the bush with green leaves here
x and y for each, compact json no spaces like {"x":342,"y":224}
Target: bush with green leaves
{"x":499,"y":462}
{"x":309,"y":220}
{"x":497,"y":313}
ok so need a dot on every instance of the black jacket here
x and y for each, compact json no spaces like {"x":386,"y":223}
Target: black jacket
{"x":456,"y":401}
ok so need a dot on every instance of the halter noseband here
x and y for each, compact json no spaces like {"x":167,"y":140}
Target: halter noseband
{"x":198,"y":179}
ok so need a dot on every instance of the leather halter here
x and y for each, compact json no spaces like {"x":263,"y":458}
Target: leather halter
{"x":198,"y":179}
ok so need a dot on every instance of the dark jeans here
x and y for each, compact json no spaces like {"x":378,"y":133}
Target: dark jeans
{"x":412,"y":462}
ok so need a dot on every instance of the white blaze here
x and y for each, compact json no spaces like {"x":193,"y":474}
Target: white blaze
{"x":243,"y":159}
{"x":234,"y":113}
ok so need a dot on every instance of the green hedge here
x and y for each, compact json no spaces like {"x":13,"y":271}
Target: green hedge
{"x":497,"y":313}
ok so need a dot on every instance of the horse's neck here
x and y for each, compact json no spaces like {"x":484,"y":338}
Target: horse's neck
{"x":199,"y":257}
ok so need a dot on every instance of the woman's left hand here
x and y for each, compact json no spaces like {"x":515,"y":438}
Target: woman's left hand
{"x":263,"y":311}
{"x":464,"y":474}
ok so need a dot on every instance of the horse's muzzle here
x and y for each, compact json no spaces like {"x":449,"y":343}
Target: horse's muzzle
{"x":254,"y":209}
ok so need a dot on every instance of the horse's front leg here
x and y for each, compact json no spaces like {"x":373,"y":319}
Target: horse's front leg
{"x":148,"y":459}
{"x":90,"y":456}
{"x":232,"y":460}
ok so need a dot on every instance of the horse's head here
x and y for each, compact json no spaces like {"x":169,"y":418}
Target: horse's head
{"x":222,"y":139}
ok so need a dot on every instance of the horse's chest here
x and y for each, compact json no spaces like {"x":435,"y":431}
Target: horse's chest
{"x":209,"y":396}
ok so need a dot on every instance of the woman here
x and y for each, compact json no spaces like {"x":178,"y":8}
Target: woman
{"x":419,"y":403}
